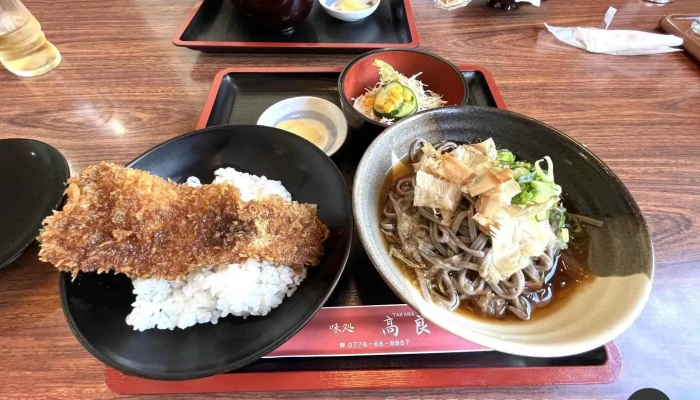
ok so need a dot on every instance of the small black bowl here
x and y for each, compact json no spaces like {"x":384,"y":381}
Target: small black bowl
{"x":281,"y":15}
{"x":96,"y":306}
{"x":438,"y":74}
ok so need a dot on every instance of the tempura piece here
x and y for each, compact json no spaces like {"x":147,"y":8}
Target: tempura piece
{"x":131,"y":222}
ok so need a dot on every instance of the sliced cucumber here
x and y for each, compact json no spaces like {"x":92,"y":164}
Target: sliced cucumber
{"x":410,"y":103}
{"x":389,"y":100}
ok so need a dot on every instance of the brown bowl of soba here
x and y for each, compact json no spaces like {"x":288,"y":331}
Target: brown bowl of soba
{"x":504,"y":231}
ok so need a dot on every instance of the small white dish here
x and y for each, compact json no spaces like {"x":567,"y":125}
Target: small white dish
{"x":348,"y":16}
{"x":310,"y":108}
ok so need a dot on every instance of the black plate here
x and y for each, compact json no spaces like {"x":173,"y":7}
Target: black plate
{"x":33,"y":177}
{"x":96,"y":305}
{"x":215,"y":25}
{"x":241,"y":99}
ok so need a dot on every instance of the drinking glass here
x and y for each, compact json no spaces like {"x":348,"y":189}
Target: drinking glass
{"x":24,"y":49}
{"x":695,"y":27}
{"x":451,"y":4}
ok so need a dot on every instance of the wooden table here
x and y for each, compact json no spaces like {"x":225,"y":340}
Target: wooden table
{"x":123,"y":88}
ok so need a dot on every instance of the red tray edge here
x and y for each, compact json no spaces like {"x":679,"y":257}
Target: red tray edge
{"x":195,"y":44}
{"x":214,"y":90}
{"x":374,"y":379}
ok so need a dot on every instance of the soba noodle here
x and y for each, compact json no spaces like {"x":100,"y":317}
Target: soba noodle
{"x":449,"y":260}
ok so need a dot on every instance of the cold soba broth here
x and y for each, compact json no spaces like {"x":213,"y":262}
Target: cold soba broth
{"x":571,"y":271}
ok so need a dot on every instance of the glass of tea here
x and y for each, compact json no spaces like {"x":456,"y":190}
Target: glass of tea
{"x":24,"y":49}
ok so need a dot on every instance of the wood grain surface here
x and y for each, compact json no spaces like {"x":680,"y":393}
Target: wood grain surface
{"x":123,"y":88}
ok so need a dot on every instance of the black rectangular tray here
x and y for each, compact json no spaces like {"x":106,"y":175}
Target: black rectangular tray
{"x":238,"y":97}
{"x":215,"y":26}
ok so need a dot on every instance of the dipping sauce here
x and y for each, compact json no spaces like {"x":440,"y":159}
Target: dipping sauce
{"x":566,"y":274}
{"x":312,"y":130}
{"x":350,"y":5}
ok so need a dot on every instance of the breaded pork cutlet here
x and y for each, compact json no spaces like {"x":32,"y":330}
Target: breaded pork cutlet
{"x":131,"y":222}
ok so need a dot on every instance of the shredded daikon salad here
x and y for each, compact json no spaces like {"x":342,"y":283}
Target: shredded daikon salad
{"x":427,"y":99}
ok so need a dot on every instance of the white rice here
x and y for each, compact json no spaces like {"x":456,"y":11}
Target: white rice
{"x":216,"y":291}
{"x":251,"y":187}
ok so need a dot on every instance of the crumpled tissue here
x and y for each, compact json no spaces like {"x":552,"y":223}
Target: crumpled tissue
{"x":616,"y":42}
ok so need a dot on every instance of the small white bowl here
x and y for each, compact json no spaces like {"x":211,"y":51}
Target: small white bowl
{"x":348,"y":16}
{"x":314,"y":108}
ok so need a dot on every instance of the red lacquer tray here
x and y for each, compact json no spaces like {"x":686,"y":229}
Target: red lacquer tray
{"x":337,"y":374}
{"x":364,"y":338}
{"x":680,"y":25}
{"x":216,"y":26}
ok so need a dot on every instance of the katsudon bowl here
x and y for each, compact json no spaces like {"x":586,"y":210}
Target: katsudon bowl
{"x":96,"y":306}
{"x":617,"y":257}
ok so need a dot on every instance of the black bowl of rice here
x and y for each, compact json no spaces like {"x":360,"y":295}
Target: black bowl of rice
{"x":219,"y":317}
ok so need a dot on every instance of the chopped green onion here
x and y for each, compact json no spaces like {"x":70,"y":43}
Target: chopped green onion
{"x":505,"y":157}
{"x":524,"y":178}
{"x":549,"y":176}
{"x":543,"y":185}
{"x":524,"y":197}
{"x":541,"y":196}
{"x":536,"y":185}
